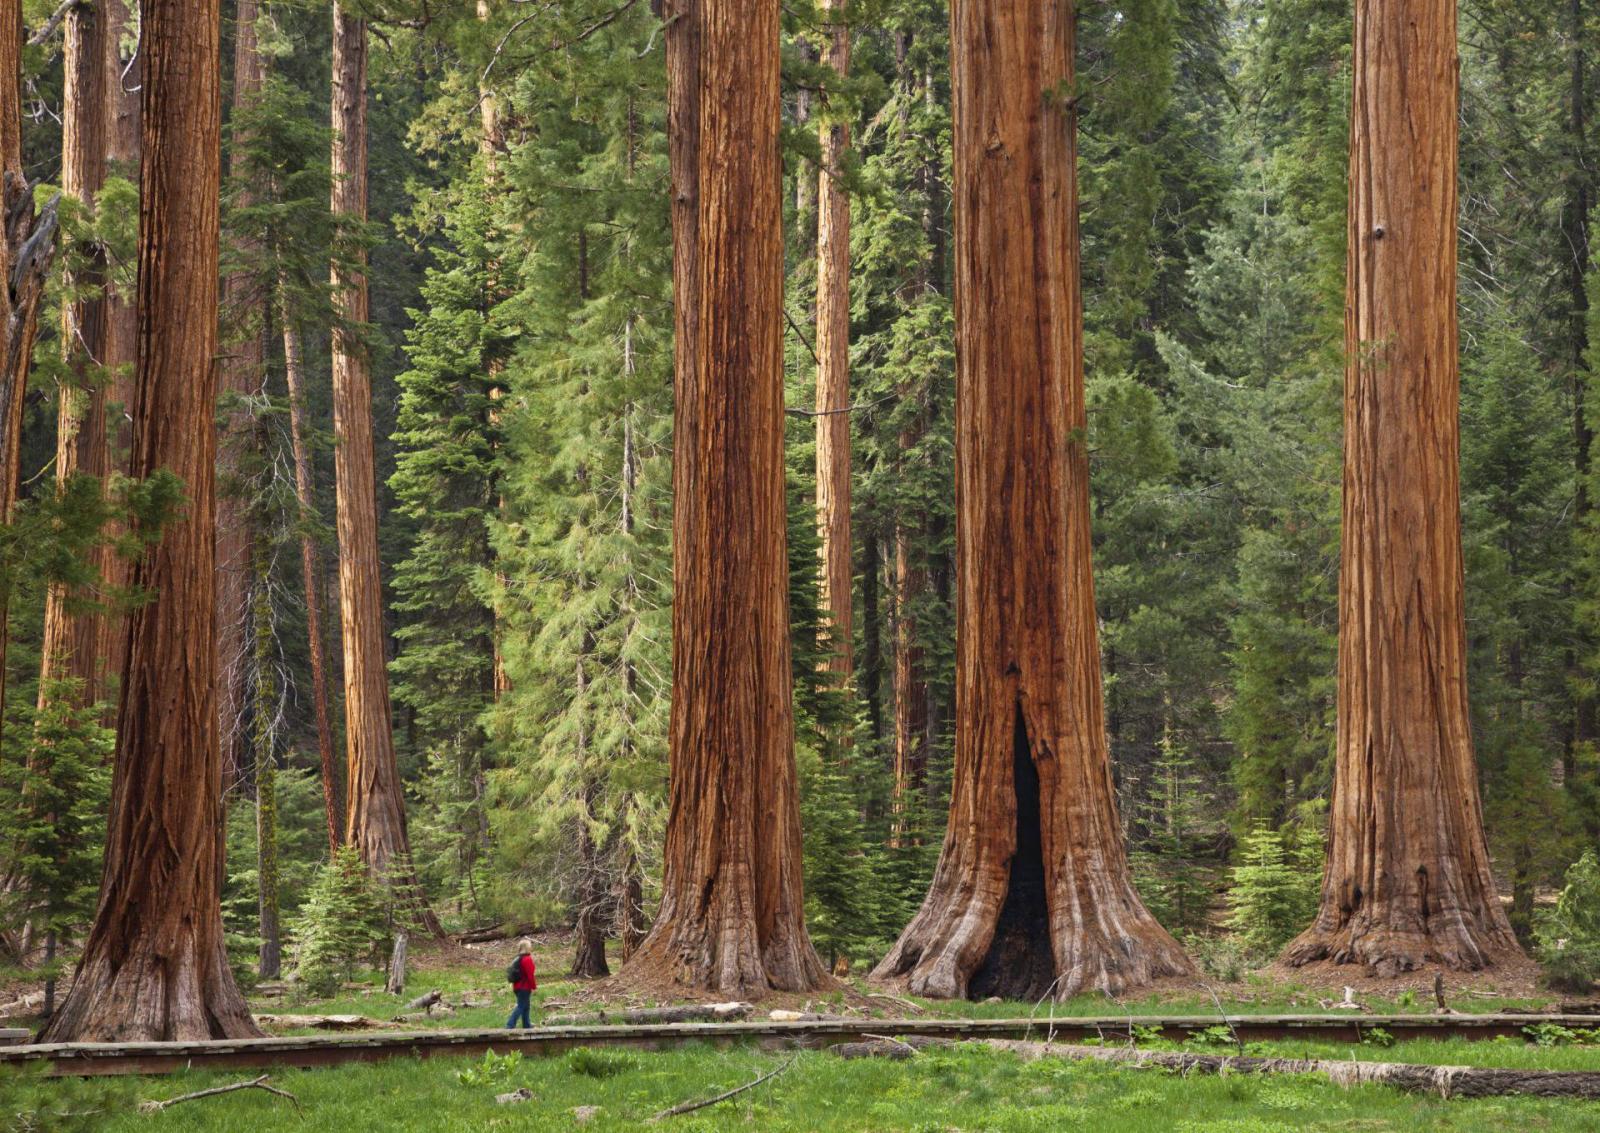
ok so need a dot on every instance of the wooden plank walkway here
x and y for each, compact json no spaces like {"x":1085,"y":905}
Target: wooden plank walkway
{"x":89,"y":1059}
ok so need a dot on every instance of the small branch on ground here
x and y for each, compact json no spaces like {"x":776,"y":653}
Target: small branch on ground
{"x":254,"y":1084}
{"x":690,"y":1107}
{"x":1237,"y":1041}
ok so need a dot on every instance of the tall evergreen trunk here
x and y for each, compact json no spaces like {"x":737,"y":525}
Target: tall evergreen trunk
{"x":154,"y":965}
{"x":1032,"y":894}
{"x":294,"y":372}
{"x":629,"y":902}
{"x":27,"y":248}
{"x":71,"y":639}
{"x":1408,"y":881}
{"x":491,"y":143}
{"x":1575,"y":242}
{"x":589,"y":960}
{"x":122,"y":327}
{"x":912,"y":723}
{"x":243,"y":371}
{"x":375,"y":804}
{"x":870,"y":679}
{"x":833,"y":365}
{"x":263,"y":712}
{"x":732,"y":908}
{"x":910,"y":685}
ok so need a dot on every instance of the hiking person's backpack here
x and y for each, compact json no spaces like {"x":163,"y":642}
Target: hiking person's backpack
{"x":514,"y":972}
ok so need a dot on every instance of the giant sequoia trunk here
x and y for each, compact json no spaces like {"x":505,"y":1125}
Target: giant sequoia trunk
{"x":1032,"y":893}
{"x":1408,"y":879}
{"x":375,"y":820}
{"x":833,"y":363}
{"x":72,"y":637}
{"x":154,"y":966}
{"x":242,"y":374}
{"x":731,"y":916}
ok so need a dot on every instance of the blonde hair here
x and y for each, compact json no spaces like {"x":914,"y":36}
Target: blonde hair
{"x":524,"y":945}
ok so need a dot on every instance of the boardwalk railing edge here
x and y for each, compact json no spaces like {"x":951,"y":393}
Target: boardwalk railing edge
{"x":93,"y":1059}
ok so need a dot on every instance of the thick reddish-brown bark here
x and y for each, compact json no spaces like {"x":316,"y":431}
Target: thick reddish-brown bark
{"x":242,"y":374}
{"x":72,"y":637}
{"x":833,"y":363}
{"x":294,"y":372}
{"x":154,"y":965}
{"x":1032,"y":893}
{"x":1408,"y":880}
{"x":375,"y":816}
{"x":732,"y":908}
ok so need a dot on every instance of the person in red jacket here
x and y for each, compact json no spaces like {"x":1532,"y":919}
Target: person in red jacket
{"x":527,"y":979}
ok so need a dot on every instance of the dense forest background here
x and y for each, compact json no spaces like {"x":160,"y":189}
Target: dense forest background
{"x":521,"y":341}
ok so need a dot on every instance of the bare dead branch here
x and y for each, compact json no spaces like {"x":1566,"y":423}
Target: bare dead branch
{"x":690,"y":1107}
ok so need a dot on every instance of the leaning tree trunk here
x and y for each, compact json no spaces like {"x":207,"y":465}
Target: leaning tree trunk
{"x":375,"y":816}
{"x":72,"y":637}
{"x":154,"y":966}
{"x":833,"y":364}
{"x":732,"y":907}
{"x":1032,"y":894}
{"x":1408,"y":879}
{"x":293,"y":368}
{"x":242,"y":374}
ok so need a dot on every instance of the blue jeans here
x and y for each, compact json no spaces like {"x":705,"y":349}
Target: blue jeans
{"x":523,"y":998}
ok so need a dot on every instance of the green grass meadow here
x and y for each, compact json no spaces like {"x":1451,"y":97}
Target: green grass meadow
{"x":966,"y":1089}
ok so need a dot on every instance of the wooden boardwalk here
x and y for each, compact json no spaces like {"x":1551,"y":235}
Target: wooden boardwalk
{"x":88,"y":1059}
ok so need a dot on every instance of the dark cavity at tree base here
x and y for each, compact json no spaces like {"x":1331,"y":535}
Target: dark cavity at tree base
{"x":1116,"y":944}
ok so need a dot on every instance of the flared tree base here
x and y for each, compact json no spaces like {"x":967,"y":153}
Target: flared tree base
{"x":700,"y":958}
{"x":1022,"y":963}
{"x":148,"y":998}
{"x":1364,"y":941}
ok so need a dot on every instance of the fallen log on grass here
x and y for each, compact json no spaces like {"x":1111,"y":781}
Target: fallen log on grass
{"x":686,"y":1013}
{"x":322,"y":1022}
{"x":1445,"y":1081}
{"x":425,"y":1002}
{"x":886,"y":1046}
{"x":494,"y":932}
